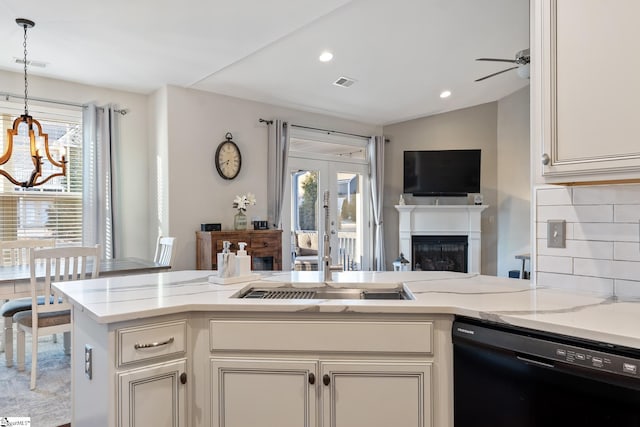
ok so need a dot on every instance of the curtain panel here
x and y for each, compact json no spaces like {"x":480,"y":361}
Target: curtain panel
{"x":375,"y":154}
{"x":100,"y":140}
{"x":278,"y":152}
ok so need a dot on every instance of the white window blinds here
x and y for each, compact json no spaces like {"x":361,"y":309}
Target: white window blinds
{"x":52,"y":210}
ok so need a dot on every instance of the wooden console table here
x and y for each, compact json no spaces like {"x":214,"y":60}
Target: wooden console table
{"x":263,"y":246}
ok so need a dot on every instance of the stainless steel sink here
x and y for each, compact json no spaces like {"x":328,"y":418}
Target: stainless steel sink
{"x":263,"y":291}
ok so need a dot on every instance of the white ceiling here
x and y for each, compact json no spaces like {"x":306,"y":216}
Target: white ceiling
{"x":402,"y":53}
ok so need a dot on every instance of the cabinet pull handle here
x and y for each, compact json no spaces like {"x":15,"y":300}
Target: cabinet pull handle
{"x":312,"y":378}
{"x":326,"y":379}
{"x":183,"y":378}
{"x":153,"y":344}
{"x":545,"y":159}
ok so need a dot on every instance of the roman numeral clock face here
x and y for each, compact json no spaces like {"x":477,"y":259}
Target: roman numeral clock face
{"x":228,"y":159}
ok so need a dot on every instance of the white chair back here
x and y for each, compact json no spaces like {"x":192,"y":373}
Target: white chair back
{"x":165,"y":250}
{"x":16,"y":252}
{"x":59,"y":265}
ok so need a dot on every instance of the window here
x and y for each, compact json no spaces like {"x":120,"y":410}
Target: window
{"x":52,"y":210}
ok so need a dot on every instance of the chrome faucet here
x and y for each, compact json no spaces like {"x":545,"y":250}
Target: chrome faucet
{"x":326,"y":248}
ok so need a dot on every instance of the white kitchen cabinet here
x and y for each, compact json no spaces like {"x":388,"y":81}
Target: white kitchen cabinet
{"x":263,"y":392}
{"x":362,"y":393}
{"x":153,"y":395}
{"x":585,"y":90}
{"x":352,"y":393}
{"x":372,"y":372}
{"x":138,"y":376}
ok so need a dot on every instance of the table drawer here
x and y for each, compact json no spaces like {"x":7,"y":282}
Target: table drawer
{"x":151,"y":341}
{"x":321,"y":336}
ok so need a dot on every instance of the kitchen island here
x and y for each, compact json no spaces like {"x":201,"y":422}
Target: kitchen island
{"x":174,"y":346}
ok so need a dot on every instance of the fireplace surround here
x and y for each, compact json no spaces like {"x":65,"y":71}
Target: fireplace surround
{"x":442,"y":220}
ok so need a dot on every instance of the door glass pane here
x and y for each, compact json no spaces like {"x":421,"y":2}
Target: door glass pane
{"x":304,"y":219}
{"x":349,"y":203}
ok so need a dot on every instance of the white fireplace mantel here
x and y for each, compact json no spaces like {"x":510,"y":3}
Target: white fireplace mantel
{"x":442,"y":220}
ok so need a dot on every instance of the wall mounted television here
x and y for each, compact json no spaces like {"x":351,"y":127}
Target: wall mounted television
{"x":442,"y":172}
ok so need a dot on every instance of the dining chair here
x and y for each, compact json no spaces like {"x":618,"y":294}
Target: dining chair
{"x":54,"y":314}
{"x":15,"y":253}
{"x":165,"y":250}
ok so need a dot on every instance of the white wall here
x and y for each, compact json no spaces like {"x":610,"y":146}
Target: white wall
{"x":473,"y":127}
{"x":133,"y":159}
{"x":197,"y":122}
{"x":514,"y":186}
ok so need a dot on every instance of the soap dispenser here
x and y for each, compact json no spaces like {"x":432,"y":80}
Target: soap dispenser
{"x":243,"y":261}
{"x":226,"y":261}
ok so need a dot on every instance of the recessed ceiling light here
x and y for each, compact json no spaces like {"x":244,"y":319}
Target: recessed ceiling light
{"x":325,"y":56}
{"x":445,"y":94}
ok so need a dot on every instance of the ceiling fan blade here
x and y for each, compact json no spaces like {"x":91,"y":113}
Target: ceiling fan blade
{"x":495,"y":74}
{"x":513,"y":61}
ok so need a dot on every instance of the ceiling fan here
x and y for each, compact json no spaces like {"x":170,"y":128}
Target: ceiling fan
{"x":522,"y":63}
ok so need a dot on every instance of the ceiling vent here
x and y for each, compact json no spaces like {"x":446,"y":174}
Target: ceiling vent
{"x":30,"y":63}
{"x":344,"y":82}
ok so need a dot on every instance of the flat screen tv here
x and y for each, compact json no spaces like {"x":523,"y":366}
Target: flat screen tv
{"x":442,"y":172}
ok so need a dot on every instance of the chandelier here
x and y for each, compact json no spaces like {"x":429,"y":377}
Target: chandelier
{"x":32,"y":125}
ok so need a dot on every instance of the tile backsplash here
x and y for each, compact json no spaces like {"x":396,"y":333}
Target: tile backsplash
{"x":602,"y":253}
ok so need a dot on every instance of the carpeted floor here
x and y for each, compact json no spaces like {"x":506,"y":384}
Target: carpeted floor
{"x":49,"y":405}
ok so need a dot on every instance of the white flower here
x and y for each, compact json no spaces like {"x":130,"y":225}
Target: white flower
{"x":242,"y":202}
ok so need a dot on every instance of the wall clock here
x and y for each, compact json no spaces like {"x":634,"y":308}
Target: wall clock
{"x":228,"y":159}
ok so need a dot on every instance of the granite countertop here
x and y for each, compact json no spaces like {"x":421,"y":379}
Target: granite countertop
{"x":509,"y":301}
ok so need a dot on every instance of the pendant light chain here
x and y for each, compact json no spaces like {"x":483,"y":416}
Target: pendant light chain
{"x":26,"y":85}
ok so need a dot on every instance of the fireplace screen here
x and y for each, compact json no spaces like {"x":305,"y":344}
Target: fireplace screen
{"x":439,"y":253}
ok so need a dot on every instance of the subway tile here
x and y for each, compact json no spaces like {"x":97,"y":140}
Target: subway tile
{"x":553,"y":196}
{"x":593,"y":267}
{"x":554,"y":264}
{"x":626,"y":251}
{"x":627,"y":288}
{"x":618,"y":232}
{"x":587,"y":213}
{"x":627,"y":270}
{"x":594,"y":195}
{"x":626,"y":213}
{"x":627,"y":194}
{"x":592,"y":285}
{"x":579,"y":248}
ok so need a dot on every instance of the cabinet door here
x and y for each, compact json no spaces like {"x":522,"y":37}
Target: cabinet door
{"x":367,"y":394}
{"x":585,"y":81}
{"x":251,"y":392}
{"x":153,"y":396}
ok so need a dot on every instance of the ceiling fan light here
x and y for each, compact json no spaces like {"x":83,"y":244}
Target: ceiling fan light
{"x":523,"y":71}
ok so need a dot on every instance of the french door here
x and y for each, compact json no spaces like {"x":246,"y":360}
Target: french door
{"x":349,"y":207}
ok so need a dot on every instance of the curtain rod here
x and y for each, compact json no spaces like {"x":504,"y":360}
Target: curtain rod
{"x":270,"y":122}
{"x":7,"y":95}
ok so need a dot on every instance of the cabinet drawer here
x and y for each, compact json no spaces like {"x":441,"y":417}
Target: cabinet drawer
{"x":151,"y":341}
{"x":259,"y":242}
{"x":317,"y":336}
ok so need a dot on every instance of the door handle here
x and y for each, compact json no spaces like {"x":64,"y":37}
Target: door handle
{"x":312,"y":378}
{"x":326,"y":379}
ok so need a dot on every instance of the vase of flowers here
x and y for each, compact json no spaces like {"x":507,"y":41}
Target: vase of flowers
{"x":241,"y":203}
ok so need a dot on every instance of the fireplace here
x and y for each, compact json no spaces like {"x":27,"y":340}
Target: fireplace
{"x":459,"y":221}
{"x":439,"y":253}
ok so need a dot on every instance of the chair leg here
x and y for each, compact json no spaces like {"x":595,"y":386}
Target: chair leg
{"x":21,"y":349}
{"x":34,"y":359}
{"x":8,"y":341}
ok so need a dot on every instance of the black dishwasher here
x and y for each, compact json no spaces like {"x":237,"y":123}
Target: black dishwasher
{"x":515,"y":377}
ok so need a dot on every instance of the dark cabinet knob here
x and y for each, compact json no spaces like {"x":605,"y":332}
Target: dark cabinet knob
{"x":326,"y":379}
{"x":183,"y":378}
{"x":312,"y":378}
